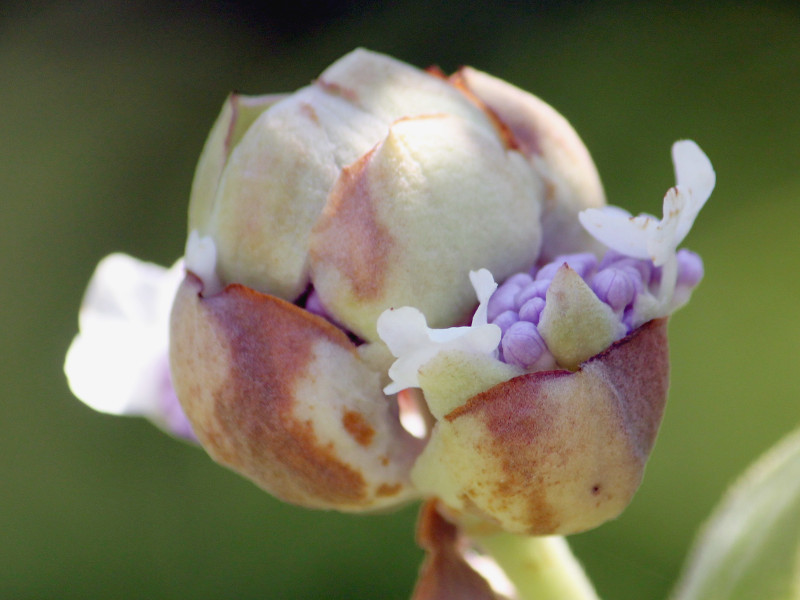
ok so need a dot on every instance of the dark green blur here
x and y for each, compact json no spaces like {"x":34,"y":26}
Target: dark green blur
{"x":103,"y":112}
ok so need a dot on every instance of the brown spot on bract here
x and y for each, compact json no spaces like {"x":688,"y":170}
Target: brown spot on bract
{"x":348,"y":236}
{"x":358,"y":427}
{"x":551,"y":433}
{"x":458,"y":81}
{"x":336,"y":89}
{"x":386,"y":489}
{"x":436,"y":71}
{"x":309,"y":111}
{"x":243,"y":414}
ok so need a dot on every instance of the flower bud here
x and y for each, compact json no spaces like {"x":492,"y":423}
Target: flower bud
{"x":338,"y":239}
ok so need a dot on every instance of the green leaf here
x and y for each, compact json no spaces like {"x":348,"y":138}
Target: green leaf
{"x":750,"y":548}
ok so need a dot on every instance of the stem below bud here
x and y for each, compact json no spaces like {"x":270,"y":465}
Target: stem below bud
{"x":541,"y":568}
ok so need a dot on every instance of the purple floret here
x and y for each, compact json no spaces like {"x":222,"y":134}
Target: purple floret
{"x":532,"y":310}
{"x":504,"y":298}
{"x":505,"y":320}
{"x":536,"y":289}
{"x":616,"y":287}
{"x":616,"y":280}
{"x":523,"y":345}
{"x":314,"y":305}
{"x":690,"y":268}
{"x":584,"y":264}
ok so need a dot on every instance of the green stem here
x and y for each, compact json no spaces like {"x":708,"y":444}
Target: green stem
{"x":541,"y":568}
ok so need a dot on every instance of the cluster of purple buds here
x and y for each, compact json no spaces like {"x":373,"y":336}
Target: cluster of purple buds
{"x":617,"y":280}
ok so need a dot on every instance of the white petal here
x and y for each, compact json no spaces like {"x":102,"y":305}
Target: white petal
{"x":403,"y":329}
{"x":118,"y":361}
{"x":695,"y":177}
{"x":693,"y":170}
{"x":662,"y":242}
{"x":407,"y":335}
{"x":618,"y":230}
{"x":646,"y":237}
{"x":484,"y":285}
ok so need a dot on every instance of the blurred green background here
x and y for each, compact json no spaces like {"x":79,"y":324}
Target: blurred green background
{"x":103,"y":111}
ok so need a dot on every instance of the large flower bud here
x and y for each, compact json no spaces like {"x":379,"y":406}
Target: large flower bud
{"x":318,"y":219}
{"x":379,"y":185}
{"x":376,"y":146}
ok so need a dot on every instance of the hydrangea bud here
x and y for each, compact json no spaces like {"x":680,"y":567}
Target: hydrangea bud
{"x":388,"y":246}
{"x":377,"y":186}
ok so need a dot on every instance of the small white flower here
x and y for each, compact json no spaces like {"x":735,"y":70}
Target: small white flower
{"x":118,"y":363}
{"x":644,"y":236}
{"x":405,"y":331}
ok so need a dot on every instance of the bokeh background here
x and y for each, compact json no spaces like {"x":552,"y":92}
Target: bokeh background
{"x":104,"y":107}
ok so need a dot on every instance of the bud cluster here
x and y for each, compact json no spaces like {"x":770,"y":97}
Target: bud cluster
{"x":617,"y":280}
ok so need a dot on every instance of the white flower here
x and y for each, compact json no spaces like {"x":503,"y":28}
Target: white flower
{"x":118,"y":363}
{"x":405,"y":331}
{"x":646,"y":237}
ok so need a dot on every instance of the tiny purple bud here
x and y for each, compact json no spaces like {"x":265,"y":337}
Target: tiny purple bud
{"x":690,"y":268}
{"x":505,"y":320}
{"x":531,"y":310}
{"x":636,"y":276}
{"x":628,"y":318}
{"x":503,"y":299}
{"x":537,"y":289}
{"x":642,"y":266}
{"x":615,"y":287}
{"x":611,"y":257}
{"x":523,"y":345}
{"x":314,"y":305}
{"x":547,"y":272}
{"x":519,"y":279}
{"x":583,"y":263}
